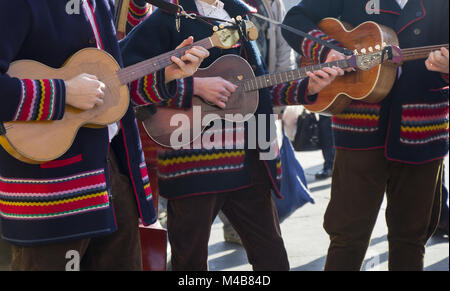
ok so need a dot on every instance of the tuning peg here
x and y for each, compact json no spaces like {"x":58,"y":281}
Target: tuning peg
{"x":370,"y":49}
{"x":221,"y":26}
{"x":356,"y":52}
{"x":363,"y":51}
{"x":238,"y":18}
{"x":378,"y":47}
{"x":215,"y":28}
{"x":384,"y":44}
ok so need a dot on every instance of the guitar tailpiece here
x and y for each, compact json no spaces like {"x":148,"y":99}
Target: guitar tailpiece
{"x":387,"y":51}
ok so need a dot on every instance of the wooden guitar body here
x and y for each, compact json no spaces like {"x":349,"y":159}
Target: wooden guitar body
{"x":36,"y":142}
{"x":369,"y":86}
{"x":231,"y":68}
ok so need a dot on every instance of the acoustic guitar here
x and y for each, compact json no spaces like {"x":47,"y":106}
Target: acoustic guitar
{"x":36,"y":142}
{"x":243,"y":103}
{"x":372,"y":85}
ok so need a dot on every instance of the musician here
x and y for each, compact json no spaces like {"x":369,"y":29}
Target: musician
{"x":91,"y":199}
{"x":200,"y":182}
{"x":278,"y":56}
{"x":397,"y":145}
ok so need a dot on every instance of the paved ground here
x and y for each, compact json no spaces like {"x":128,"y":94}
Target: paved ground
{"x":305,"y":239}
{"x":307,"y":242}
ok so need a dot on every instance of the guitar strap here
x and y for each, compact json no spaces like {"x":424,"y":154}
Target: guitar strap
{"x":178,"y":11}
{"x":298,"y":32}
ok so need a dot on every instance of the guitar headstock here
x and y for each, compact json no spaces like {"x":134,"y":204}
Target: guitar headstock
{"x":226,"y":37}
{"x":366,"y":59}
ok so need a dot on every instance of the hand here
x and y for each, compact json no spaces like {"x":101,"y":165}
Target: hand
{"x":438,"y":61}
{"x":215,"y":90}
{"x":188,"y":64}
{"x":84,"y":92}
{"x":336,"y":56}
{"x":320,"y":79}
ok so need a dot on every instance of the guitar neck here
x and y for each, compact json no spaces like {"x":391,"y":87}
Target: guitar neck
{"x":283,"y":77}
{"x":142,"y":69}
{"x":413,"y":54}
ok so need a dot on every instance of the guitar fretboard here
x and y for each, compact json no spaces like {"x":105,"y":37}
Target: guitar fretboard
{"x":412,"y":54}
{"x":283,"y":77}
{"x":142,"y":69}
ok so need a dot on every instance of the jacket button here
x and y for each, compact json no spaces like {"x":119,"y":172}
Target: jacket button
{"x":417,"y":31}
{"x":92,"y":41}
{"x":418,"y":14}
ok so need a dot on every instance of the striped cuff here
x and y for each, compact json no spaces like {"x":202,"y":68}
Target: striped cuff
{"x":292,"y":93}
{"x":41,"y":100}
{"x":315,"y":51}
{"x":152,"y":89}
{"x":181,"y":92}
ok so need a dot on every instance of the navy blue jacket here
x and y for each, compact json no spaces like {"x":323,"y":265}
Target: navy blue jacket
{"x":68,"y":198}
{"x":411,"y":124}
{"x":184,"y":173}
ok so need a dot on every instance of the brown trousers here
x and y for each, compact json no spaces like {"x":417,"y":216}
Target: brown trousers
{"x":119,"y":251}
{"x":252,"y":213}
{"x":360,"y":180}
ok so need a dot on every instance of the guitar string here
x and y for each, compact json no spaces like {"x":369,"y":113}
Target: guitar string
{"x":410,"y":52}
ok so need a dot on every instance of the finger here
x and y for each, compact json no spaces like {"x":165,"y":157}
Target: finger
{"x":225,"y":93}
{"x":99,"y":101}
{"x":99,"y":93}
{"x":89,"y":76}
{"x":101,"y":86}
{"x":429,"y":65}
{"x":199,"y":52}
{"x":313,"y":77}
{"x":321,"y":74}
{"x":223,"y":99}
{"x":221,"y":104}
{"x":190,"y":59}
{"x":179,"y":63}
{"x":331,"y":72}
{"x":444,"y":52}
{"x":188,"y":41}
{"x":229,"y":86}
{"x":339,"y":71}
{"x":439,"y":59}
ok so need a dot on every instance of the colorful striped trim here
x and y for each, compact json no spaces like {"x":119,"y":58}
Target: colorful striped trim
{"x":49,"y":198}
{"x":288,"y":93}
{"x":279,"y":171}
{"x":445,"y":77}
{"x":214,"y":162}
{"x":38,"y":100}
{"x":144,"y":91}
{"x":359,"y":117}
{"x":137,"y":13}
{"x":180,"y":99}
{"x":146,"y":181}
{"x":424,"y":123}
{"x":316,"y":51}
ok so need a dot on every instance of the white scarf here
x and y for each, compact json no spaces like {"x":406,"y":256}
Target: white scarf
{"x":402,"y":3}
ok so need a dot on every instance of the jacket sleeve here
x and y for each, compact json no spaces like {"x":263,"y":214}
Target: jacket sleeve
{"x":292,"y":93}
{"x":305,"y":17}
{"x":24,"y":99}
{"x":149,"y":40}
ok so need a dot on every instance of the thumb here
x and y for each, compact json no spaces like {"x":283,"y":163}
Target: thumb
{"x":188,"y":41}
